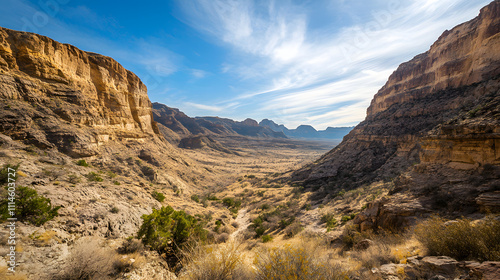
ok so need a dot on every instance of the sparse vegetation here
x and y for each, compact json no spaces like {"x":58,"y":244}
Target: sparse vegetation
{"x":158,"y":196}
{"x":267,"y":238}
{"x":82,"y":162}
{"x":88,"y":260}
{"x":461,"y":239}
{"x":166,"y":230}
{"x":94,"y":177}
{"x":4,"y":173}
{"x":195,"y":198}
{"x":30,"y":207}
{"x":214,"y":262}
{"x":300,"y":261}
{"x":329,"y":220}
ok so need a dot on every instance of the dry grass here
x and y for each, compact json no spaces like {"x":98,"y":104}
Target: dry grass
{"x":5,"y":274}
{"x":301,"y":260}
{"x":214,"y":262}
{"x":88,"y":260}
{"x":461,"y":239}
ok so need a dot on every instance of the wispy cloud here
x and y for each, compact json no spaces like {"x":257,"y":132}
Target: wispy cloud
{"x":199,"y":74}
{"x":304,"y":72}
{"x":204,"y":107}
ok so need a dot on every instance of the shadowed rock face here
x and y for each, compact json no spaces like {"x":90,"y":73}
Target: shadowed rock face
{"x":55,"y":95}
{"x":440,"y":107}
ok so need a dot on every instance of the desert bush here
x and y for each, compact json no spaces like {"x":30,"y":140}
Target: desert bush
{"x":94,"y":177}
{"x":158,"y":196}
{"x":222,"y":238}
{"x":214,"y":262}
{"x":131,"y":245}
{"x":195,"y":198}
{"x":30,"y":207}
{"x":88,"y":260}
{"x":267,"y":238}
{"x":347,"y":218}
{"x":329,"y":220}
{"x":4,"y":173}
{"x":293,"y":229}
{"x":375,"y":255}
{"x":300,"y":261}
{"x":351,"y":236}
{"x":461,"y":239}
{"x":82,"y":162}
{"x":166,"y":230}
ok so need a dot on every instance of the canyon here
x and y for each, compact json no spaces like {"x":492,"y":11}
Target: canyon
{"x":84,"y":134}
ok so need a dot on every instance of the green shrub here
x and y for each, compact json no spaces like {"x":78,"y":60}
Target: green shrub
{"x":94,"y":177}
{"x":330,"y":221}
{"x":158,"y":196}
{"x":30,"y":207}
{"x":259,"y":231}
{"x":347,"y":218}
{"x":264,"y":206}
{"x":114,"y":210}
{"x":116,"y":183}
{"x":166,"y":230}
{"x":267,"y":238}
{"x":82,"y":162}
{"x":461,"y":239}
{"x":4,"y":173}
{"x":195,"y":198}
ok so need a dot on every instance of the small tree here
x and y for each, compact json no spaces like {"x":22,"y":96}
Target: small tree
{"x":166,"y":230}
{"x":29,"y":207}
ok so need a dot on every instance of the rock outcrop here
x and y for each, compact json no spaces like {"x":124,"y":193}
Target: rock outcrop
{"x":442,"y":107}
{"x":57,"y":96}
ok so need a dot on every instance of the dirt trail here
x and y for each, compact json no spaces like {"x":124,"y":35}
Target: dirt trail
{"x":243,"y":220}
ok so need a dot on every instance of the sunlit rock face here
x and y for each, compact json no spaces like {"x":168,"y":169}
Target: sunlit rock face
{"x":441,"y":107}
{"x":55,"y":95}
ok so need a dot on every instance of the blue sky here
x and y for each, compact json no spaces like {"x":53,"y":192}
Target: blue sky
{"x":295,"y":62}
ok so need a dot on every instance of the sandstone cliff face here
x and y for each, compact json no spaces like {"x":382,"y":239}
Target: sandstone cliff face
{"x":441,"y":107}
{"x":57,"y":96}
{"x":461,"y":57}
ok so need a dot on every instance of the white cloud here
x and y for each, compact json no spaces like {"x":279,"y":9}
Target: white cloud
{"x":199,"y":74}
{"x":204,"y":107}
{"x":305,"y":73}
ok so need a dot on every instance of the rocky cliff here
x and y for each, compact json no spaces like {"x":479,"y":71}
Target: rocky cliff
{"x":57,"y":96}
{"x":442,"y":107}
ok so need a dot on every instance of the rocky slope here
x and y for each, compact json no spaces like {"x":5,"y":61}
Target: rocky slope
{"x":437,"y":117}
{"x":62,"y":108}
{"x":177,"y":126}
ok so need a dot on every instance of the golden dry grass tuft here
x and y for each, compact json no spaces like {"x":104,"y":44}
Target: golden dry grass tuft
{"x":88,"y":260}
{"x":214,"y":262}
{"x":301,"y":260}
{"x":461,"y":239}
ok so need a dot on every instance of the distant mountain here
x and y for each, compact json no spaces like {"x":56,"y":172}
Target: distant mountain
{"x":176,"y":126}
{"x":307,"y":131}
